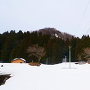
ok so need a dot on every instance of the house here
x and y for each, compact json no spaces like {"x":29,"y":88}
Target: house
{"x":18,"y":60}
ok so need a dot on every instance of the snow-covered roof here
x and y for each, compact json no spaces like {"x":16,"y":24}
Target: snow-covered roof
{"x":20,"y":59}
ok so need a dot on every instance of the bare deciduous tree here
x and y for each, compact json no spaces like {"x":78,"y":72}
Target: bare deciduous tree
{"x":37,"y":51}
{"x":79,"y":57}
{"x":85,"y":54}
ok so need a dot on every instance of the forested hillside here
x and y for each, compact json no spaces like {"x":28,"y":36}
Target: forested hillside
{"x":40,"y":46}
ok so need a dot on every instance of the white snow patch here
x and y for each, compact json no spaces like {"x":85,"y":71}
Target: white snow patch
{"x":56,"y":35}
{"x":46,"y":77}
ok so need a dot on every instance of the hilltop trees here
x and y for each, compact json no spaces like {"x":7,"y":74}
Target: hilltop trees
{"x":44,"y":48}
{"x":19,"y":45}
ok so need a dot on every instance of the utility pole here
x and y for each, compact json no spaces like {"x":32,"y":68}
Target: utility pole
{"x":69,"y":56}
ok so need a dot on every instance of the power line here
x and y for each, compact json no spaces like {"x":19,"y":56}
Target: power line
{"x":88,"y":30}
{"x":85,"y":28}
{"x":82,"y":16}
{"x":82,"y":38}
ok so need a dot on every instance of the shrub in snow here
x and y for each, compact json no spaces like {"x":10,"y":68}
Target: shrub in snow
{"x":3,"y":78}
{"x":34,"y":64}
{"x":1,"y":65}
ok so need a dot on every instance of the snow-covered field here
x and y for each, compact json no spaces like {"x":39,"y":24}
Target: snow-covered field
{"x":46,"y":77}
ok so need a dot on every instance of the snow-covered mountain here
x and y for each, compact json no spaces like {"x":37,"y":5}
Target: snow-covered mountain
{"x":64,"y":76}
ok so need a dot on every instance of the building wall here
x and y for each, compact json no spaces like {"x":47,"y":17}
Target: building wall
{"x":18,"y":61}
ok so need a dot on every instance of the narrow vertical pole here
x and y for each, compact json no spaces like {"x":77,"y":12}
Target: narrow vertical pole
{"x":69,"y":56}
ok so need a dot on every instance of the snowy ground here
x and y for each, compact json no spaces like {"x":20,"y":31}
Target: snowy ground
{"x":46,"y":77}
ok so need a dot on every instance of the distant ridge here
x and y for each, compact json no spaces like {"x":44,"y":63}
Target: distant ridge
{"x":53,"y":32}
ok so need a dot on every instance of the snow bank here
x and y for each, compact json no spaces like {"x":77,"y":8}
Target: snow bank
{"x":46,"y":77}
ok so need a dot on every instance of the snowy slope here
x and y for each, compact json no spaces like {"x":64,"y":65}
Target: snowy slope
{"x":46,"y":77}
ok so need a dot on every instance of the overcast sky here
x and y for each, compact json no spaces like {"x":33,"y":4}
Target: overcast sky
{"x":71,"y":16}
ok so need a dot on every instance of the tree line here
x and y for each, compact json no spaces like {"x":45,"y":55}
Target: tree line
{"x":41,"y":47}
